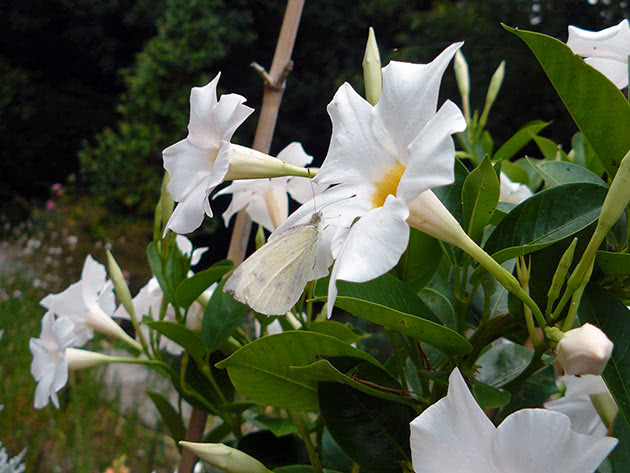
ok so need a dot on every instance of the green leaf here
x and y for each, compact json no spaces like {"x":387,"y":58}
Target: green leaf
{"x":597,"y":106}
{"x":546,"y":217}
{"x":191,"y":288}
{"x":489,"y":397}
{"x":480,"y":195}
{"x":335,"y":329}
{"x":374,"y":432}
{"x":583,"y":154}
{"x":531,"y":393}
{"x":620,"y":456}
{"x":519,"y":140}
{"x":556,"y":173}
{"x":388,"y":302}
{"x":604,"y":310}
{"x":502,"y":364}
{"x":550,"y":149}
{"x":261,"y":370}
{"x":221,"y":317}
{"x":515,"y":172}
{"x":183,"y":336}
{"x":451,"y":196}
{"x":616,"y":264}
{"x":155,"y":261}
{"x":422,"y":247}
{"x":300,"y":469}
{"x":323,"y":370}
{"x":279,"y":426}
{"x":170,"y":417}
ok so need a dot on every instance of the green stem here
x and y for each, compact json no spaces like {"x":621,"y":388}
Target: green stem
{"x":300,"y":422}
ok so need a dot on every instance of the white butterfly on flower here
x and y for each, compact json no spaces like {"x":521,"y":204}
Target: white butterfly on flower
{"x":383,"y":161}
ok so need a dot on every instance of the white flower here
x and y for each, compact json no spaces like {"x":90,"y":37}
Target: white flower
{"x":200,"y":162}
{"x":49,"y":366}
{"x":606,"y":50}
{"x":454,"y":434}
{"x":265,"y":200}
{"x":148,"y":302}
{"x":88,"y":303}
{"x":385,"y":159}
{"x":584,"y":350}
{"x":186,"y":247}
{"x":513,"y":192}
{"x":577,"y":403}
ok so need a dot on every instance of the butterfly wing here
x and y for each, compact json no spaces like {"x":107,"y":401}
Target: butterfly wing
{"x":272,"y":279}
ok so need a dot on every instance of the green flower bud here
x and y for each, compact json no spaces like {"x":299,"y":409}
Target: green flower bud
{"x":493,"y":90}
{"x":372,"y":69}
{"x":225,"y":458}
{"x":560,"y":275}
{"x":462,"y":76}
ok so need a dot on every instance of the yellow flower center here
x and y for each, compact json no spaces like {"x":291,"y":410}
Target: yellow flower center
{"x":387,"y":185}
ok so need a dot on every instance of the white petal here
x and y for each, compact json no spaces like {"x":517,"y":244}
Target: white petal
{"x":294,"y":154}
{"x":409,"y":96}
{"x":611,"y":43}
{"x":356,"y":155}
{"x":43,"y":390}
{"x":373,"y":245}
{"x":188,"y":166}
{"x":61,"y":373}
{"x":453,"y":435}
{"x":106,"y":299}
{"x":188,"y":214}
{"x":229,"y":114}
{"x":184,"y":244}
{"x":513,"y":192}
{"x":432,"y":154}
{"x":197,"y":254}
{"x":201,"y":129}
{"x":42,"y":361}
{"x":615,"y":71}
{"x":540,"y":440}
{"x":67,"y":303}
{"x":93,"y":277}
{"x":302,"y":189}
{"x":64,"y":332}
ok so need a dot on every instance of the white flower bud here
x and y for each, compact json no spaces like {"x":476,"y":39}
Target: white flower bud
{"x":584,"y":350}
{"x":225,"y":458}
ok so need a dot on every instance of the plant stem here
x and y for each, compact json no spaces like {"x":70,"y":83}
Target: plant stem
{"x":300,"y":422}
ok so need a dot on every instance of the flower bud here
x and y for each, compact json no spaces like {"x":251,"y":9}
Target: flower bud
{"x":584,"y":350}
{"x":247,"y":163}
{"x":80,"y":359}
{"x":225,"y":458}
{"x":493,"y":90}
{"x":372,"y":69}
{"x":462,"y":76}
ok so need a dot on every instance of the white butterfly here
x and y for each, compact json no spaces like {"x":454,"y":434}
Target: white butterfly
{"x":272,"y":279}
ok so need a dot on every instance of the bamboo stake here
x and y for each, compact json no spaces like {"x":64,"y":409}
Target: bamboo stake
{"x":274,"y":82}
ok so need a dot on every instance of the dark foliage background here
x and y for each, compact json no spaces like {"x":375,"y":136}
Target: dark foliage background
{"x":97,"y":88}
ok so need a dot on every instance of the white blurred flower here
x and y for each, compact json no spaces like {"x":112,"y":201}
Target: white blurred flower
{"x":88,"y":303}
{"x":513,"y":192}
{"x":49,"y":366}
{"x":576,"y":403}
{"x":384,"y":160}
{"x":186,"y":247}
{"x":606,"y":50}
{"x":148,"y":301}
{"x":584,"y":350}
{"x":455,"y":435}
{"x":265,"y":200}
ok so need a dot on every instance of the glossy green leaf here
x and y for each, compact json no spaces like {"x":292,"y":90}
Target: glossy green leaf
{"x":451,"y":196}
{"x":488,"y":397}
{"x":620,"y":456}
{"x":515,"y":172}
{"x":502,"y":363}
{"x":534,"y":180}
{"x":300,"y":469}
{"x":261,"y":370}
{"x":323,"y":370}
{"x":221,"y":317}
{"x":279,"y":426}
{"x":597,"y":106}
{"x":583,"y":154}
{"x":384,"y":301}
{"x":480,"y":195}
{"x":604,"y":310}
{"x":422,"y":248}
{"x":550,"y":149}
{"x":616,"y":264}
{"x":556,"y":173}
{"x":519,"y":140}
{"x":183,"y":336}
{"x":191,"y":288}
{"x":170,"y":417}
{"x":374,"y":432}
{"x":335,"y":329}
{"x":544,"y":218}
